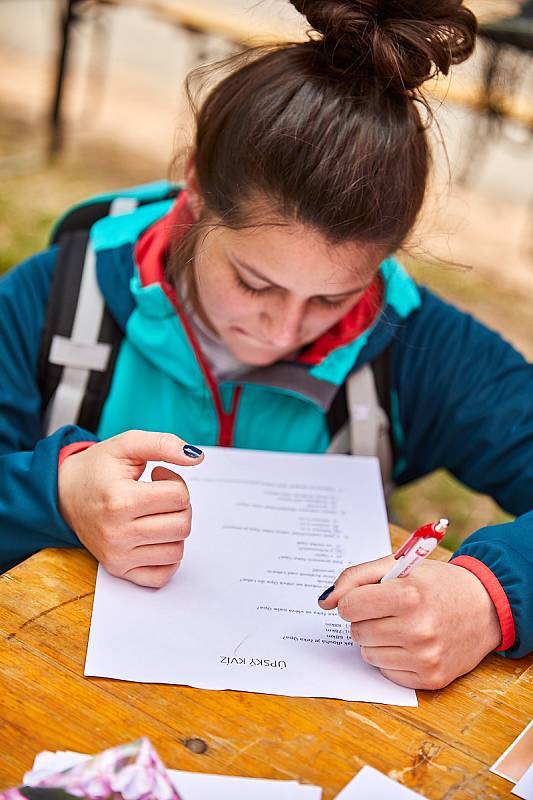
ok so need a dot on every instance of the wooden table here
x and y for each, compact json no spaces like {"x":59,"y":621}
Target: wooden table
{"x":443,"y":748}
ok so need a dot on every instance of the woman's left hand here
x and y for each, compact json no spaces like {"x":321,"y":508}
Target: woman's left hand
{"x":423,"y":630}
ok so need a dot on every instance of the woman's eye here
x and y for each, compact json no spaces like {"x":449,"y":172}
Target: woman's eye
{"x":247,"y":288}
{"x":254,"y":291}
{"x":331,"y":303}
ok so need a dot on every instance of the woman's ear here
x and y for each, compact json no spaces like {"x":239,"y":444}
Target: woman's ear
{"x":195,"y":201}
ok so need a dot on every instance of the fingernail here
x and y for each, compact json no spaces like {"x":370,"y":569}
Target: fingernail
{"x":191,"y":451}
{"x":326,"y":594}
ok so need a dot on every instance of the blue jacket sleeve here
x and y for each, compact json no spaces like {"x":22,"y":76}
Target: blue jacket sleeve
{"x":508,"y":551}
{"x":29,"y":517}
{"x":464,"y":401}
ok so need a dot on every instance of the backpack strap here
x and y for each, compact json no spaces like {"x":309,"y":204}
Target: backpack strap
{"x":80,"y":339}
{"x":81,"y":217}
{"x":359,"y":417}
{"x":369,"y":424}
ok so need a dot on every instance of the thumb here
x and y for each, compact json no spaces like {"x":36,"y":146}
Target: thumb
{"x":164,"y":474}
{"x":138,"y":447}
{"x":351,"y":578}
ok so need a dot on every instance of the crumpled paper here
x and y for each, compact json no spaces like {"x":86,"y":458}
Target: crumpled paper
{"x":127,"y":772}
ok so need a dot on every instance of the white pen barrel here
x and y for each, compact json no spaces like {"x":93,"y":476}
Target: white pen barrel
{"x":405,"y":564}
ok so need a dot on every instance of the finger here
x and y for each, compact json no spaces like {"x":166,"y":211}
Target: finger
{"x":391,"y":599}
{"x":160,"y":528}
{"x":358,"y":575}
{"x":156,"y":555}
{"x":138,"y":447}
{"x":160,"y":473}
{"x":153,"y":577}
{"x":159,"y":497}
{"x":388,"y":657}
{"x":384,"y":632}
{"x":403,"y":678}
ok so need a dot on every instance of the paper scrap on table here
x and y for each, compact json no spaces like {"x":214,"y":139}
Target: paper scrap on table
{"x":524,"y":787}
{"x":270,"y":532}
{"x":370,"y":783}
{"x":518,"y":757}
{"x":198,"y":786}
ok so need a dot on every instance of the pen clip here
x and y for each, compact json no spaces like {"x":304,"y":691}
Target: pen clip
{"x":433,"y":530}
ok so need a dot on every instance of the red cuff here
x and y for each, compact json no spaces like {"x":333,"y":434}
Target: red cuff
{"x":497,"y":595}
{"x":71,"y":449}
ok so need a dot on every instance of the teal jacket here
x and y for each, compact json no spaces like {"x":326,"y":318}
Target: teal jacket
{"x":461,"y":399}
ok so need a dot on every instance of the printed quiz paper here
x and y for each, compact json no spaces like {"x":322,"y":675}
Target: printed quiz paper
{"x":270,"y":532}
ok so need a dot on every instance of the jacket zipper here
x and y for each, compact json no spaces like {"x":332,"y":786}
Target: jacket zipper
{"x":226,"y":420}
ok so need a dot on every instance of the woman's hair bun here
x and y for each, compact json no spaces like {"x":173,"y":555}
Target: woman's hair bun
{"x":400,"y":42}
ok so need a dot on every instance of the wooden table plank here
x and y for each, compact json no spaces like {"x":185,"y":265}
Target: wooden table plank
{"x":322,"y":742}
{"x":442,"y":749}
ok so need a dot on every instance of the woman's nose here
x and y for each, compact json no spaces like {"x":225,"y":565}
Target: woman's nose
{"x":286,"y":323}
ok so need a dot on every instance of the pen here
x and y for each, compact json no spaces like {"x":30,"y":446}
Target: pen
{"x":419,"y":545}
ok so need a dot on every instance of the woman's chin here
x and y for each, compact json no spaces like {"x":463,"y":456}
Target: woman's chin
{"x":243,"y":347}
{"x":255,"y":358}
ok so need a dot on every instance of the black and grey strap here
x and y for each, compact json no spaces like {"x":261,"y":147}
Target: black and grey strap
{"x":80,"y":339}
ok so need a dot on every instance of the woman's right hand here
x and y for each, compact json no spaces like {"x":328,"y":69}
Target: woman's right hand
{"x":136,"y":529}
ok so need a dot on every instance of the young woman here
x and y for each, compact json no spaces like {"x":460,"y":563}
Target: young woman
{"x":255,"y":310}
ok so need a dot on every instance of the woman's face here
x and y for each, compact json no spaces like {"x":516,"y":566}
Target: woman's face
{"x":268,"y":291}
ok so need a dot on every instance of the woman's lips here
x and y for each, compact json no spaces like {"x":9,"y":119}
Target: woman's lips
{"x":257,"y":342}
{"x":261,"y":344}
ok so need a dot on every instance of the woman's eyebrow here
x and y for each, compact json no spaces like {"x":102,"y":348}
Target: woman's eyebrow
{"x":258,"y":274}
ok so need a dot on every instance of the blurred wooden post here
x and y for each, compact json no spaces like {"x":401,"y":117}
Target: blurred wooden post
{"x":67,"y":18}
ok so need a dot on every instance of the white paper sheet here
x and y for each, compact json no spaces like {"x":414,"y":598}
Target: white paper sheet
{"x":524,"y":787}
{"x":369,"y":783}
{"x":198,"y":786}
{"x":503,"y":766}
{"x":270,"y":532}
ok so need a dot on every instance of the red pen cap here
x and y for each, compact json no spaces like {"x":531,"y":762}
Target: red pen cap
{"x":433,"y":530}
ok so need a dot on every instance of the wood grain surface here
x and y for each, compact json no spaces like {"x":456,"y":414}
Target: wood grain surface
{"x":443,"y":748}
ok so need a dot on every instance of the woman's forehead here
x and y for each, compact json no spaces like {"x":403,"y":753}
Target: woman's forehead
{"x":285,"y":253}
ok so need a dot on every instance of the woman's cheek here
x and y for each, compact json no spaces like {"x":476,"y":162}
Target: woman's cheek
{"x":235,"y":304}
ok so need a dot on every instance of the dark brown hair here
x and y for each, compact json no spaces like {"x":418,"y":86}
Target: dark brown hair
{"x":329,"y":131}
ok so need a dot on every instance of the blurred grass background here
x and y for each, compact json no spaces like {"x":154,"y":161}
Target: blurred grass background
{"x":38,"y":193}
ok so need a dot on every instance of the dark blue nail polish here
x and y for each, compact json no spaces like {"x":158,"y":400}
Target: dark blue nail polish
{"x":326,"y":594}
{"x":191,"y":451}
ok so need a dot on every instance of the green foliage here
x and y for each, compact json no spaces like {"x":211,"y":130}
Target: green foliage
{"x":440,"y":495}
{"x":23,"y":230}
